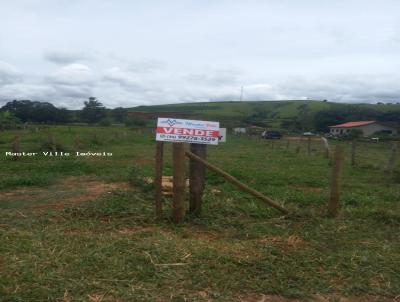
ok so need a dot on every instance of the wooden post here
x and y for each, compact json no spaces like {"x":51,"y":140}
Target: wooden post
{"x":309,"y":145}
{"x":298,"y":149}
{"x":287,"y":144}
{"x":333,"y":205}
{"x":78,"y":143}
{"x":353,"y":153}
{"x":237,"y":183}
{"x":392,"y":159}
{"x":158,"y":178}
{"x":52,"y":143}
{"x":179,"y":181}
{"x":197,"y":178}
{"x":16,"y":147}
{"x":327,"y":148}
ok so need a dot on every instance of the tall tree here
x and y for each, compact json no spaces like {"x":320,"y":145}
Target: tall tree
{"x":93,"y":111}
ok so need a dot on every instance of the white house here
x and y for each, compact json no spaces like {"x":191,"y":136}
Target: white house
{"x":239,"y":130}
{"x":367,"y":127}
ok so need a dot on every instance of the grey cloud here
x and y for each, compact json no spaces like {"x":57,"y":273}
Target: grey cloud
{"x":63,"y":58}
{"x":126,"y":80}
{"x":356,"y":88}
{"x":146,"y":66}
{"x":8,"y":74}
{"x":26,"y":91}
{"x":73,"y":74}
{"x":215,"y":78}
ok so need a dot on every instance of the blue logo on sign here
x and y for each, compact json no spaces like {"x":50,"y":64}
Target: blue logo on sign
{"x":171,"y":122}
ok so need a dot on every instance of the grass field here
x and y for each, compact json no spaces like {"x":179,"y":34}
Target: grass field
{"x":83,"y":228}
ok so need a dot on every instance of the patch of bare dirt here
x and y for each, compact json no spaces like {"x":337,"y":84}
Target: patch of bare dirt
{"x":314,"y":298}
{"x":291,"y":242}
{"x":69,"y":191}
{"x":130,"y":231}
{"x":266,"y":298}
{"x":166,"y":184}
{"x":306,"y":188}
{"x":205,"y":236}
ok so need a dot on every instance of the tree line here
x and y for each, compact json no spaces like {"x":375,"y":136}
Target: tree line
{"x":93,"y":112}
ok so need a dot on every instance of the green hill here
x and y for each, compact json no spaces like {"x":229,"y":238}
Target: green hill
{"x":274,"y":113}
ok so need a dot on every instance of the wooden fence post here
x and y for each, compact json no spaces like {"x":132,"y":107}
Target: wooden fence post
{"x":16,"y":147}
{"x":309,"y":145}
{"x":353,"y":153}
{"x":197,"y":178}
{"x":158,"y":178}
{"x":78,"y":142}
{"x":327,"y":148}
{"x":392,"y":159}
{"x":333,"y":205}
{"x":52,"y":143}
{"x":179,"y":181}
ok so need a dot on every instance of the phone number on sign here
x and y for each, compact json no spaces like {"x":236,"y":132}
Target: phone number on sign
{"x":189,"y":138}
{"x":197,"y":138}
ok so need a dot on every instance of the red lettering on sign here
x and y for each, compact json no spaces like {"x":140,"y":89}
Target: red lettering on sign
{"x":186,"y":131}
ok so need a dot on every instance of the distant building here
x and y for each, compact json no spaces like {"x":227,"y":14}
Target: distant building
{"x":239,"y":130}
{"x":367,"y":127}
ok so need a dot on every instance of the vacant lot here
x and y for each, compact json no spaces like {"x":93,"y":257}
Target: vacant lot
{"x":83,"y":228}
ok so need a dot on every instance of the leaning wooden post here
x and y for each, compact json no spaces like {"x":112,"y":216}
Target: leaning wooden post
{"x":179,"y":181}
{"x":16,"y":147}
{"x":309,"y":145}
{"x":392,"y":159}
{"x":327,"y":148}
{"x":353,"y":153}
{"x":197,"y":178}
{"x":237,"y":183}
{"x":333,"y":205}
{"x":158,"y":178}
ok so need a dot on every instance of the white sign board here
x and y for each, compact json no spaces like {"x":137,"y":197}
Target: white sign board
{"x":187,"y":131}
{"x":222,"y":135}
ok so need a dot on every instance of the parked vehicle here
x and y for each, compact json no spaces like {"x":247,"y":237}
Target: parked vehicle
{"x":271,"y":135}
{"x":308,"y":134}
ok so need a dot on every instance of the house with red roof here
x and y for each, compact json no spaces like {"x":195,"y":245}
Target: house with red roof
{"x":367,"y":127}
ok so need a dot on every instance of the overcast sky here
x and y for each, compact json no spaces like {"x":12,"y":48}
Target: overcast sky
{"x":129,"y":53}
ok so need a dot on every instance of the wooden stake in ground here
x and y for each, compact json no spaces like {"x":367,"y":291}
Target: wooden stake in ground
{"x":353,"y":153}
{"x":158,"y":178}
{"x":52,"y":143}
{"x":309,"y":145}
{"x":78,"y":142}
{"x":392,"y":158}
{"x":333,"y":205}
{"x":237,"y":183}
{"x":16,"y":147}
{"x":328,"y":152}
{"x":179,"y":181}
{"x":197,"y":178}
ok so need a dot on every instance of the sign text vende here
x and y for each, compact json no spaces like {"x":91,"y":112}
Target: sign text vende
{"x":190,"y":131}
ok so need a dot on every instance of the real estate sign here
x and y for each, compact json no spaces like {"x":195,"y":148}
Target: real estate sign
{"x":222,"y":135}
{"x":187,"y":131}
